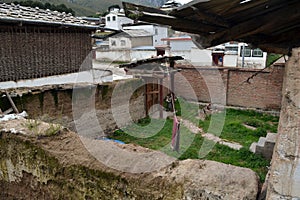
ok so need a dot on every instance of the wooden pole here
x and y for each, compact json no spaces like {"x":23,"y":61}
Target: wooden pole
{"x":14,"y":107}
{"x":146,"y":100}
{"x":161,"y":98}
{"x":172,"y":77}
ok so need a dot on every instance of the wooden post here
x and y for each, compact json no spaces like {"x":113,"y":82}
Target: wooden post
{"x":146,"y":100}
{"x":12,"y":103}
{"x":172,"y":77}
{"x":161,"y":98}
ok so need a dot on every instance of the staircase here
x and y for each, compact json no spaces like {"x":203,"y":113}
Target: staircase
{"x":264,"y":146}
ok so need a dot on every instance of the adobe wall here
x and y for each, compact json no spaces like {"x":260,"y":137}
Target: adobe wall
{"x":57,"y":104}
{"x":284,"y":180}
{"x":262,"y":91}
{"x":28,"y":52}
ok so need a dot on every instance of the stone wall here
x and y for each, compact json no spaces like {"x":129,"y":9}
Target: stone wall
{"x":285,"y":170}
{"x":243,"y":87}
{"x":28,"y":52}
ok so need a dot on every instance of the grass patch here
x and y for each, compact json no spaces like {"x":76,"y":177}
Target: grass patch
{"x":156,"y":134}
{"x":272,"y":58}
{"x":52,"y":130}
{"x":241,"y":158}
{"x":235,"y":131}
{"x":32,"y":125}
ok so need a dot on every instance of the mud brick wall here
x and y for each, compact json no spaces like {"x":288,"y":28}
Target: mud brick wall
{"x":61,"y":104}
{"x":262,"y":91}
{"x":28,"y":52}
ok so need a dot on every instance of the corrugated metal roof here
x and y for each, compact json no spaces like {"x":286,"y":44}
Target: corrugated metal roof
{"x":144,"y":48}
{"x":137,"y":33}
{"x":272,"y":25}
{"x":11,"y":13}
{"x":182,"y":38}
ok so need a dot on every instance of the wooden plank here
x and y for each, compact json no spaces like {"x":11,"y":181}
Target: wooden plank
{"x":12,"y":103}
{"x":153,"y":92}
{"x":8,"y":111}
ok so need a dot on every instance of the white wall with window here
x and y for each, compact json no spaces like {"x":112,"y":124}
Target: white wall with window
{"x":253,"y":57}
{"x":120,"y":43}
{"x":115,"y":20}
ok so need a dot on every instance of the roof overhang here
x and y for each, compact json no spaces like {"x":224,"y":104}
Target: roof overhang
{"x":159,"y":67}
{"x":272,"y":25}
{"x":20,"y":21}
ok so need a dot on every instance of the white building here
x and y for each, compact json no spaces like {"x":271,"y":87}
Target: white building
{"x":130,"y":39}
{"x":226,"y":55}
{"x":180,"y":46}
{"x":127,"y":46}
{"x":240,"y":55}
{"x":158,"y":32}
{"x":115,"y":19}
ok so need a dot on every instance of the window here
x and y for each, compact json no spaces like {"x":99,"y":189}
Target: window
{"x":123,"y":43}
{"x":108,"y":19}
{"x":231,"y":50}
{"x":247,"y":52}
{"x":257,"y":53}
{"x":113,"y":43}
{"x":114,"y":18}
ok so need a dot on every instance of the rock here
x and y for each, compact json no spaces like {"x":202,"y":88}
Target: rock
{"x":60,"y":167}
{"x":284,"y":180}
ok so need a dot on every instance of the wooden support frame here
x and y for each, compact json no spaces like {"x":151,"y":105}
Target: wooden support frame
{"x":14,"y":107}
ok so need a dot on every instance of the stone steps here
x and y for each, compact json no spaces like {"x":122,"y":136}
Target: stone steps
{"x":264,"y":146}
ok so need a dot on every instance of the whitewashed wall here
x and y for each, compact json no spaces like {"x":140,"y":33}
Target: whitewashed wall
{"x":253,"y":62}
{"x":117,"y":24}
{"x":114,"y":55}
{"x":201,"y":57}
{"x":230,"y":60}
{"x":118,"y":45}
{"x":124,"y":55}
{"x":181,"y":45}
{"x":185,"y":54}
{"x":158,"y":32}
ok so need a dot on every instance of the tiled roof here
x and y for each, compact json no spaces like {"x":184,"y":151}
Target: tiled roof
{"x":15,"y":13}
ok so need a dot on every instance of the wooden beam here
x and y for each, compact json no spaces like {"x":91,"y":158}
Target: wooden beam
{"x":14,"y":107}
{"x":10,"y":110}
{"x":195,"y":13}
{"x":155,"y":17}
{"x":266,"y":23}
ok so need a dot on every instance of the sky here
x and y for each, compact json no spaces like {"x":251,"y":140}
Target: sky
{"x":183,"y":1}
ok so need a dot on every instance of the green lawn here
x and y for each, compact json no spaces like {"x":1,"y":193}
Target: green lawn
{"x":235,"y":131}
{"x":156,"y":134}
